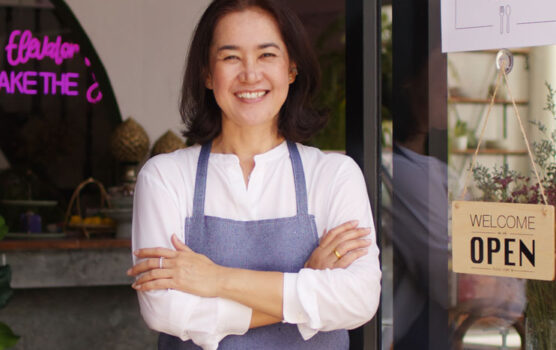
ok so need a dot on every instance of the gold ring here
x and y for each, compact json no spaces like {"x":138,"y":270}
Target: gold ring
{"x":338,"y":255}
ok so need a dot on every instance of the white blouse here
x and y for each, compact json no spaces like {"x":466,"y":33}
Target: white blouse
{"x":315,"y":300}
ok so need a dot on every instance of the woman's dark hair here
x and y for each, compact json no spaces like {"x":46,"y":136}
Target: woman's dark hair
{"x":298,"y":121}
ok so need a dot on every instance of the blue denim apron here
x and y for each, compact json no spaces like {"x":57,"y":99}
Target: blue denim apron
{"x":282,"y":244}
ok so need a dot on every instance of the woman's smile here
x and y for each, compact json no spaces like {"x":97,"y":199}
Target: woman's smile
{"x":251,"y":96}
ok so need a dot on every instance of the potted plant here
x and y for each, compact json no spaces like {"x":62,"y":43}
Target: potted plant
{"x":330,"y":47}
{"x":7,"y":336}
{"x":460,"y":135}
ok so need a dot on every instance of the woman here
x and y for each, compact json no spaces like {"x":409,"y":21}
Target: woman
{"x":252,"y":273}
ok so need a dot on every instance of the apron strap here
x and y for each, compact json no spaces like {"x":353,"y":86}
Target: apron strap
{"x":201,"y":180}
{"x":299,"y":179}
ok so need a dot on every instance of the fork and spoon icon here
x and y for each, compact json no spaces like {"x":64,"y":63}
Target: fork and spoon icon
{"x":505,"y":11}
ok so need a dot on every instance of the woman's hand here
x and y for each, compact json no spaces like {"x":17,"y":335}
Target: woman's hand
{"x":181,"y":269}
{"x":340,"y":247}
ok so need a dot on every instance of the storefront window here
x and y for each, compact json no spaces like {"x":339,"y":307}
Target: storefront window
{"x":57,"y":111}
{"x":440,"y":103}
{"x":520,"y":312}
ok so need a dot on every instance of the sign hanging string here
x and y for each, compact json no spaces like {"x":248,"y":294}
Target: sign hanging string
{"x":502,"y":73}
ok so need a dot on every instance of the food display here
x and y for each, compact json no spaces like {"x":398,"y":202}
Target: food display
{"x":89,"y":221}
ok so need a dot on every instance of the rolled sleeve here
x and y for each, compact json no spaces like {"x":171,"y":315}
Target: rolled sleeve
{"x":326,"y":300}
{"x":331,"y":299}
{"x":294,"y":311}
{"x":233,"y":318}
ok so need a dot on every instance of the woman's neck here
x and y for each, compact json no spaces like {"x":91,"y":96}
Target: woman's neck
{"x":246,"y":143}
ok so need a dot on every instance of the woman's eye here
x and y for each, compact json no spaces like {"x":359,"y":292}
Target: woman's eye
{"x":268,"y":54}
{"x":230,"y":58}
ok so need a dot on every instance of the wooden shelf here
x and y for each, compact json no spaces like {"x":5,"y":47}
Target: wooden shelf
{"x":470,"y":100}
{"x":520,"y":51}
{"x":63,"y":244}
{"x":492,"y":152}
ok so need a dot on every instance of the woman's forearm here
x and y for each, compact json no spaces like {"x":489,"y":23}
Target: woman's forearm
{"x":260,"y":290}
{"x":259,"y":319}
{"x":183,"y":269}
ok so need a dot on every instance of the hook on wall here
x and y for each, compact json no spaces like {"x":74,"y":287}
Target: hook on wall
{"x":504,"y":58}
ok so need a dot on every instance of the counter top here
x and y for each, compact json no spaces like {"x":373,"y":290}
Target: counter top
{"x":63,"y":244}
{"x":68,"y":262}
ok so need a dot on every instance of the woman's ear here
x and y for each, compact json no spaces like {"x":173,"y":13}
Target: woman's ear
{"x":293,"y":73}
{"x":208,"y":81}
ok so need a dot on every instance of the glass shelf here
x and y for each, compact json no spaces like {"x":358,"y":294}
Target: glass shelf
{"x":471,"y":100}
{"x":490,"y":152}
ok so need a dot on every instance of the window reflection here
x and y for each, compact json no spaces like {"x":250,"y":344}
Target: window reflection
{"x":425,"y":304}
{"x":416,"y":182}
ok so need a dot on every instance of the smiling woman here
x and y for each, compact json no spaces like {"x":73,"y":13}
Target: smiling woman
{"x":250,"y":73}
{"x":200,"y":112}
{"x":278,"y":249}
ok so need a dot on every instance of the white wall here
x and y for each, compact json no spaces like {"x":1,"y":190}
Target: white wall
{"x":543,"y":69}
{"x":143,"y":45}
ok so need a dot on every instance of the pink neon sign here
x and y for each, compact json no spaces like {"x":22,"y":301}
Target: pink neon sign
{"x":23,"y":47}
{"x":27,"y":83}
{"x":93,"y":88}
{"x":29,"y":47}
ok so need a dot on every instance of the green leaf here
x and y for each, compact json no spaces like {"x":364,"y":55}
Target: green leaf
{"x":3,"y":231}
{"x":7,"y":337}
{"x":3,"y":227}
{"x":5,"y":289}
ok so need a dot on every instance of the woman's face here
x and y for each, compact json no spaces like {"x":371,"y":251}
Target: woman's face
{"x":250,"y":70}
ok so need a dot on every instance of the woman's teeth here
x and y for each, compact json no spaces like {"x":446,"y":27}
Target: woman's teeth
{"x":251,"y":95}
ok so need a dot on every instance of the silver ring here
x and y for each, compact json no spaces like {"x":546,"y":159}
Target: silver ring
{"x":160,"y":262}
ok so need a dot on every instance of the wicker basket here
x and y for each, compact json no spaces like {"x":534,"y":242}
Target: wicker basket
{"x":169,"y":142}
{"x":74,"y":207}
{"x":129,"y":142}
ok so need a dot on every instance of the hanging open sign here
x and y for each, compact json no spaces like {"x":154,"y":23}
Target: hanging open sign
{"x":503,"y":239}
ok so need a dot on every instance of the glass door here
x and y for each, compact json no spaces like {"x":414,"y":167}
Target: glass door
{"x":432,"y":116}
{"x":417,"y":289}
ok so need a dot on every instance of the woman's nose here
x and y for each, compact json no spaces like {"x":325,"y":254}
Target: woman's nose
{"x":250,"y":73}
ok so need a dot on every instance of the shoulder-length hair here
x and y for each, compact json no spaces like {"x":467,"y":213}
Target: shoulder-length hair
{"x":298,"y":120}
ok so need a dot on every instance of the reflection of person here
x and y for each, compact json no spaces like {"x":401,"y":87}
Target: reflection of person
{"x":420,"y":240}
{"x":419,"y":209}
{"x":257,"y":270}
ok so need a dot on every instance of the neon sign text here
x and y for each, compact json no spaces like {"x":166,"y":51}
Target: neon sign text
{"x":22,"y":47}
{"x":29,"y":47}
{"x":47,"y":83}
{"x":93,"y":88}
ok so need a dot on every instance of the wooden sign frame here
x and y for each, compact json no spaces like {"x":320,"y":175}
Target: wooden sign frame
{"x":503,"y":239}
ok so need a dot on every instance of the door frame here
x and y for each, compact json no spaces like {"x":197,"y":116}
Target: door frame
{"x":363,"y":122}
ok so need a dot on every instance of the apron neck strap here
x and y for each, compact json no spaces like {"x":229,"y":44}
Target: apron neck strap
{"x":201,"y":180}
{"x":299,"y":179}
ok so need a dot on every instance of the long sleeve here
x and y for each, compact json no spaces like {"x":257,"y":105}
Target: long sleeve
{"x":323,"y":300}
{"x":205,"y":321}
